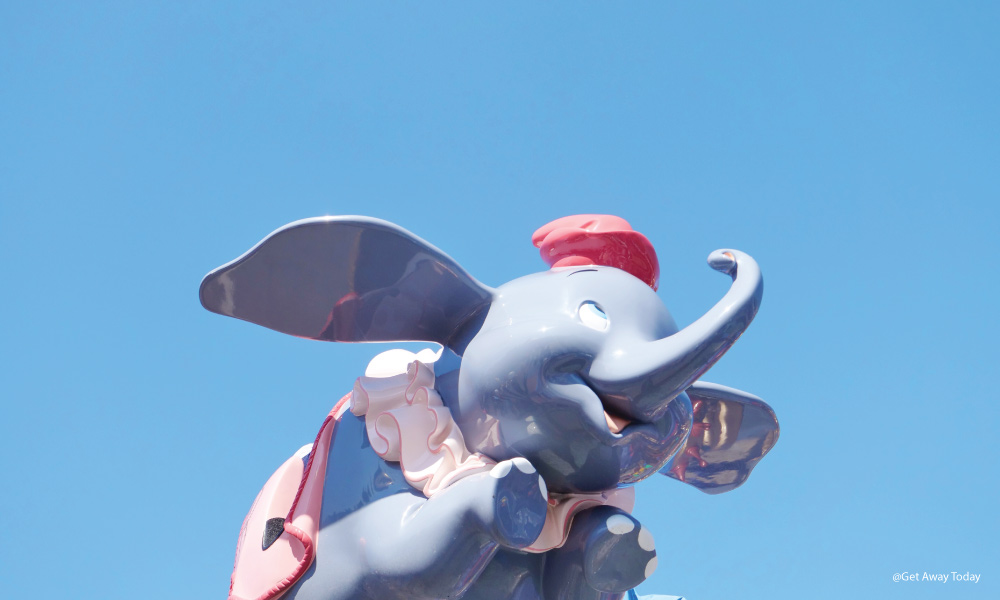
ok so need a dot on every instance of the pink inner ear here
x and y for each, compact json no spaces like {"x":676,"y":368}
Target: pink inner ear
{"x":573,"y":261}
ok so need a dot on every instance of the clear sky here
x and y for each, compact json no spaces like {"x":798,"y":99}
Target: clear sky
{"x":853,"y":148}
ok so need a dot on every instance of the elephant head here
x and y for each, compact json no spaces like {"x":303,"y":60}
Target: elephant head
{"x":580,"y":369}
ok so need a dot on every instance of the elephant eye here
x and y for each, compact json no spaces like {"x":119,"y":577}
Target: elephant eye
{"x":593,"y":317}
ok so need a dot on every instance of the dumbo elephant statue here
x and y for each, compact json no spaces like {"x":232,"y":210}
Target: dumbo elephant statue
{"x":500,"y":466}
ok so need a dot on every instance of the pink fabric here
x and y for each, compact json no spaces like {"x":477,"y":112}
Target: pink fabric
{"x":407,"y":423}
{"x":295,"y":493}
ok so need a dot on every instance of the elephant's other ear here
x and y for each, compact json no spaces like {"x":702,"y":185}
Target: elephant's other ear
{"x":731,"y":432}
{"x":347,"y":279}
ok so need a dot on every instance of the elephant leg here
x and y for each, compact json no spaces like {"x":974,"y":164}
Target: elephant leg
{"x":441,"y":547}
{"x":417,"y":548}
{"x":510,"y":575}
{"x":607,"y":553}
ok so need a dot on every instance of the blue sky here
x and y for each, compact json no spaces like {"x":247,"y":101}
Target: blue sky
{"x":850,"y":147}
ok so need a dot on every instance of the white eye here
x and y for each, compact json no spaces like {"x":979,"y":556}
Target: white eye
{"x":593,"y":317}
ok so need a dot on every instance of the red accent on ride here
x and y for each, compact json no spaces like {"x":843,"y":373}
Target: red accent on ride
{"x":695,"y":453}
{"x":680,"y":469}
{"x":699,"y":429}
{"x":604,"y":240}
{"x":696,"y":408}
{"x":308,"y":544}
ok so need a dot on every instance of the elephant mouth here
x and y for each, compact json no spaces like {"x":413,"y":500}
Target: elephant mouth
{"x":616,"y":421}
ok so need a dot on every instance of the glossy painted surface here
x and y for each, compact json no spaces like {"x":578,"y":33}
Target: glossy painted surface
{"x":731,"y":431}
{"x":576,"y":379}
{"x":609,"y":553}
{"x":604,"y":240}
{"x":535,"y":348}
{"x":346,"y":279}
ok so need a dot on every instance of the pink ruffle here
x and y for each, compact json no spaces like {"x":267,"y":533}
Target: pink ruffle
{"x":407,"y":423}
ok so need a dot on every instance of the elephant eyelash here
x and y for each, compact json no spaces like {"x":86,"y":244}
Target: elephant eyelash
{"x":593,"y":316}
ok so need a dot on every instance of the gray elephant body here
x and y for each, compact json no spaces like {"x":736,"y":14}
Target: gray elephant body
{"x":415,"y":547}
{"x":578,"y":372}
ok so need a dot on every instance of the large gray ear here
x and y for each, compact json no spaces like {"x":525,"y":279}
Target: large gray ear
{"x":731,"y":432}
{"x":347,"y":279}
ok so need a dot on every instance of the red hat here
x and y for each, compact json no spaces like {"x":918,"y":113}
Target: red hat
{"x":604,"y":240}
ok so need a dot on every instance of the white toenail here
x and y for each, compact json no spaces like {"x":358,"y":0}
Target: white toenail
{"x":523,"y":465}
{"x":650,"y":567}
{"x":541,"y":486}
{"x":645,"y":539}
{"x":620,"y":524}
{"x":501,"y":469}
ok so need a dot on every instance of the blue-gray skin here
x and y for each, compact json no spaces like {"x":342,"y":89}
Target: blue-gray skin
{"x":529,"y":370}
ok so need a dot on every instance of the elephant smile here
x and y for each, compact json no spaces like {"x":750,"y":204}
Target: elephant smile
{"x":615,"y":419}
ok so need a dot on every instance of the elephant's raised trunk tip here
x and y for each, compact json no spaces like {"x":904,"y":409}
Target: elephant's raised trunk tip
{"x":723,"y":261}
{"x":660,"y":370}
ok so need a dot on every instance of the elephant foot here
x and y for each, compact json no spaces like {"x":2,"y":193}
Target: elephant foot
{"x":607,"y":553}
{"x":519,"y":503}
{"x":619,"y":553}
